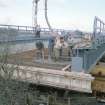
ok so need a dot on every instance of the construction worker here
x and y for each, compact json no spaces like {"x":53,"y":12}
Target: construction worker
{"x":70,"y":45}
{"x":59,"y":45}
{"x":38,"y":31}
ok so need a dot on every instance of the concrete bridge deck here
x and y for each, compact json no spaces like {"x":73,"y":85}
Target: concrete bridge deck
{"x":55,"y":78}
{"x":54,"y":75}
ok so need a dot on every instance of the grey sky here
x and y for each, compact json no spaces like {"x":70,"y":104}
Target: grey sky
{"x":69,"y":14}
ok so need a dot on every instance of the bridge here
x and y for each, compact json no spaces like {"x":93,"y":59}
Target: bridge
{"x":10,"y":33}
{"x":85,"y":57}
{"x":91,"y":52}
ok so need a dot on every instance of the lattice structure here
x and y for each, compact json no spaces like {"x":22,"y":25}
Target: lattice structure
{"x":91,"y":55}
{"x":98,"y":32}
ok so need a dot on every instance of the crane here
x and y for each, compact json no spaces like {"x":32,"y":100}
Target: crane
{"x":54,"y":34}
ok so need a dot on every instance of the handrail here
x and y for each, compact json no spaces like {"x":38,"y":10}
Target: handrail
{"x":28,"y":28}
{"x":98,"y":27}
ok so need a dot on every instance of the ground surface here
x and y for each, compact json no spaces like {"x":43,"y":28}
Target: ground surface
{"x":29,"y":58}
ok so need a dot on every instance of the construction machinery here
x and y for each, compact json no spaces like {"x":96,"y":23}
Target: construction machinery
{"x":59,"y":44}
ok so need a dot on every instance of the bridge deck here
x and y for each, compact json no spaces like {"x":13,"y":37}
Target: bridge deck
{"x":60,"y":79}
{"x":52,"y":75}
{"x":28,"y":58}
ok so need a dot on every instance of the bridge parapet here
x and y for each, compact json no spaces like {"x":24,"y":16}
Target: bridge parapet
{"x":28,"y":28}
{"x":60,"y":79}
{"x":21,"y":33}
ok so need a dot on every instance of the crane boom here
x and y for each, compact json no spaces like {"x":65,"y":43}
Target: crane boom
{"x":54,"y":34}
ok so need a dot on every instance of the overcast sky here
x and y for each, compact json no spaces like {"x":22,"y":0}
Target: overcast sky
{"x":69,"y":14}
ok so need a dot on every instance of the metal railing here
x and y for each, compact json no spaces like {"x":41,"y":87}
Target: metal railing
{"x":28,"y":28}
{"x":99,"y":26}
{"x":98,"y":32}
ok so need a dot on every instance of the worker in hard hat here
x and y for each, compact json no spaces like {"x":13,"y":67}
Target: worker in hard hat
{"x":38,"y":30}
{"x":70,"y":45}
{"x":59,"y":45}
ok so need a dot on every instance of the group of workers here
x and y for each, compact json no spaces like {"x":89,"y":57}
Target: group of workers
{"x":60,"y":47}
{"x":57,"y":46}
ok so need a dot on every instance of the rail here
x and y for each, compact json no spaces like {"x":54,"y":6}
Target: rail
{"x":98,"y":32}
{"x":99,"y":26}
{"x":28,"y":28}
